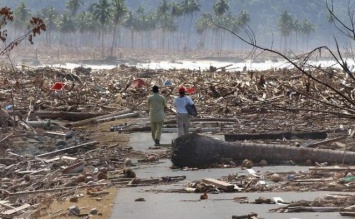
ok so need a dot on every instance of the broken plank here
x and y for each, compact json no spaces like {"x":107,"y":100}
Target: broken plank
{"x":332,"y":168}
{"x":279,"y":201}
{"x":6,"y":137}
{"x":5,"y":204}
{"x":69,"y":148}
{"x":252,"y":173}
{"x":347,"y":213}
{"x":326,"y":141}
{"x":249,"y":216}
{"x":313,"y":209}
{"x":56,"y":133}
{"x":55,"y":189}
{"x":311,"y":180}
{"x":219,"y":184}
{"x":12,"y":211}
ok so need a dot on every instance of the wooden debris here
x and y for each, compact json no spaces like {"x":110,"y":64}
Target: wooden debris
{"x":15,"y":210}
{"x":249,"y":216}
{"x":219,"y":184}
{"x":69,"y":148}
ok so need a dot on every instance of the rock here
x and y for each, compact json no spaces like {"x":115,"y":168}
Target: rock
{"x":61,"y":144}
{"x":128,"y":162}
{"x":80,"y":179}
{"x":129,"y":173}
{"x":94,"y":211}
{"x":204,"y":196}
{"x":276,"y":177}
{"x":70,"y":135}
{"x":309,"y":162}
{"x":27,"y":177}
{"x":74,"y":199}
{"x":90,"y":183}
{"x":88,"y":179}
{"x":140,"y":200}
{"x":247,"y":164}
{"x":101,"y":176}
{"x":201,"y":188}
{"x":263,"y":163}
{"x":135,"y":181}
{"x":103,"y":170}
{"x":152,"y":158}
{"x":74,"y":210}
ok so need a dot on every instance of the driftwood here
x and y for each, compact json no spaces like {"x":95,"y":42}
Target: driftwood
{"x":326,"y":141}
{"x":12,"y":211}
{"x":173,"y":121}
{"x":249,"y":216}
{"x":69,"y":116}
{"x":56,"y":189}
{"x":333,"y":169}
{"x":94,"y":120}
{"x":219,"y":184}
{"x":112,"y":118}
{"x":195,"y":150}
{"x":6,"y":137}
{"x":174,"y":130}
{"x":69,"y":148}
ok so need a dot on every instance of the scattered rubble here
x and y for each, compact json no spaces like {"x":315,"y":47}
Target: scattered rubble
{"x":47,"y":155}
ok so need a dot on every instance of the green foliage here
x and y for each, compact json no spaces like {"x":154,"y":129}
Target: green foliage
{"x":221,"y":7}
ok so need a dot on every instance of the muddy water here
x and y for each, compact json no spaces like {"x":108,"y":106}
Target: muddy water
{"x":188,"y":205}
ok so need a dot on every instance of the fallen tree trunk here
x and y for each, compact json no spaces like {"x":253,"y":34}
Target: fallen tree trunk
{"x":95,"y":119}
{"x":195,"y":150}
{"x":282,"y":135}
{"x":69,"y":116}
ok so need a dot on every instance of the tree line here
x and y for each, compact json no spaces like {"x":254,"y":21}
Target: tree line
{"x":169,"y":25}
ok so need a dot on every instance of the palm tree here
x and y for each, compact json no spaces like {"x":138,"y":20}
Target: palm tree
{"x":285,"y":27}
{"x":73,"y":6}
{"x":130,"y":24}
{"x":221,"y":7}
{"x":66,"y":25}
{"x":49,"y":16}
{"x":243,"y":18}
{"x":165,"y":19}
{"x":86,"y":24}
{"x":22,"y":13}
{"x":201,"y":26}
{"x":307,"y":28}
{"x":177,"y":11}
{"x":150,"y":24}
{"x":102,"y":12}
{"x":119,"y":9}
{"x":190,"y":8}
{"x":296,"y":27}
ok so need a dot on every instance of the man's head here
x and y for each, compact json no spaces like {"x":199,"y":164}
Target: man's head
{"x":182,"y":90}
{"x":155,"y":89}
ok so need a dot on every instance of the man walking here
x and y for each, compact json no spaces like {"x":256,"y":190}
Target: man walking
{"x":156,"y":104}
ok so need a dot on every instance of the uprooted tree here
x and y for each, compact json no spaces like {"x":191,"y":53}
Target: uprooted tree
{"x":35,"y":27}
{"x":338,"y":86}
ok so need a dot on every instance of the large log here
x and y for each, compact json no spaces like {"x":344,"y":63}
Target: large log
{"x":195,"y":150}
{"x":95,"y":119}
{"x":69,"y":116}
{"x":282,"y":135}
